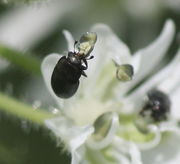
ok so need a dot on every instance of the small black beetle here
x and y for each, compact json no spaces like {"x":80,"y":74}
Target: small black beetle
{"x":157,"y":107}
{"x":68,"y":70}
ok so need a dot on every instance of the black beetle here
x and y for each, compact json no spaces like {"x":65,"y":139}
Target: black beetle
{"x":157,"y":106}
{"x":68,"y":70}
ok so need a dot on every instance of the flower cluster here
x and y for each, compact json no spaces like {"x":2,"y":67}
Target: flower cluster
{"x":102,"y":123}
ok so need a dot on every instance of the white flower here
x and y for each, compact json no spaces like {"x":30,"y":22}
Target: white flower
{"x":97,"y":124}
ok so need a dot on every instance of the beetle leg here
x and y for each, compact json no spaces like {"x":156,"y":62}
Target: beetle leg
{"x":86,"y":64}
{"x":91,"y":57}
{"x":84,"y":74}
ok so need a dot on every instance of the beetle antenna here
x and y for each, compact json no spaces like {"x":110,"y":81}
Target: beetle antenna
{"x":75,"y":42}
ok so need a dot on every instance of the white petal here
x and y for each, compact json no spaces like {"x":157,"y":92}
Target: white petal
{"x":170,"y":126}
{"x":135,"y":154}
{"x":108,"y":138}
{"x":127,"y":149}
{"x":79,"y":136}
{"x":73,"y":136}
{"x":115,"y":47}
{"x":172,"y":80}
{"x":69,"y":39}
{"x":119,"y":157}
{"x":77,"y":155}
{"x":154,"y":142}
{"x":151,"y":55}
{"x":84,"y":155}
{"x":95,"y":156}
{"x":165,"y":80}
{"x":107,"y":48}
{"x":167,"y":152}
{"x":76,"y":158}
{"x":175,"y":112}
{"x":136,"y":63}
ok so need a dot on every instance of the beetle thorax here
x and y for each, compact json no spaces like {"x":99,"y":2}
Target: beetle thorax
{"x":73,"y":58}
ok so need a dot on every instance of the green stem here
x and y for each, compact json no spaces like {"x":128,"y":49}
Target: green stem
{"x":28,"y":62}
{"x":22,"y":110}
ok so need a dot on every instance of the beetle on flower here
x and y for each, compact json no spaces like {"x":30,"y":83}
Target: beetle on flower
{"x":101,"y":122}
{"x":68,"y":70}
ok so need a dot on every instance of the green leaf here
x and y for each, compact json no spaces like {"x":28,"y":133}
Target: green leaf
{"x":19,"y":1}
{"x":25,"y":61}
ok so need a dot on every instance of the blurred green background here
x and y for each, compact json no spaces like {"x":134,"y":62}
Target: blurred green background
{"x":33,"y":29}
